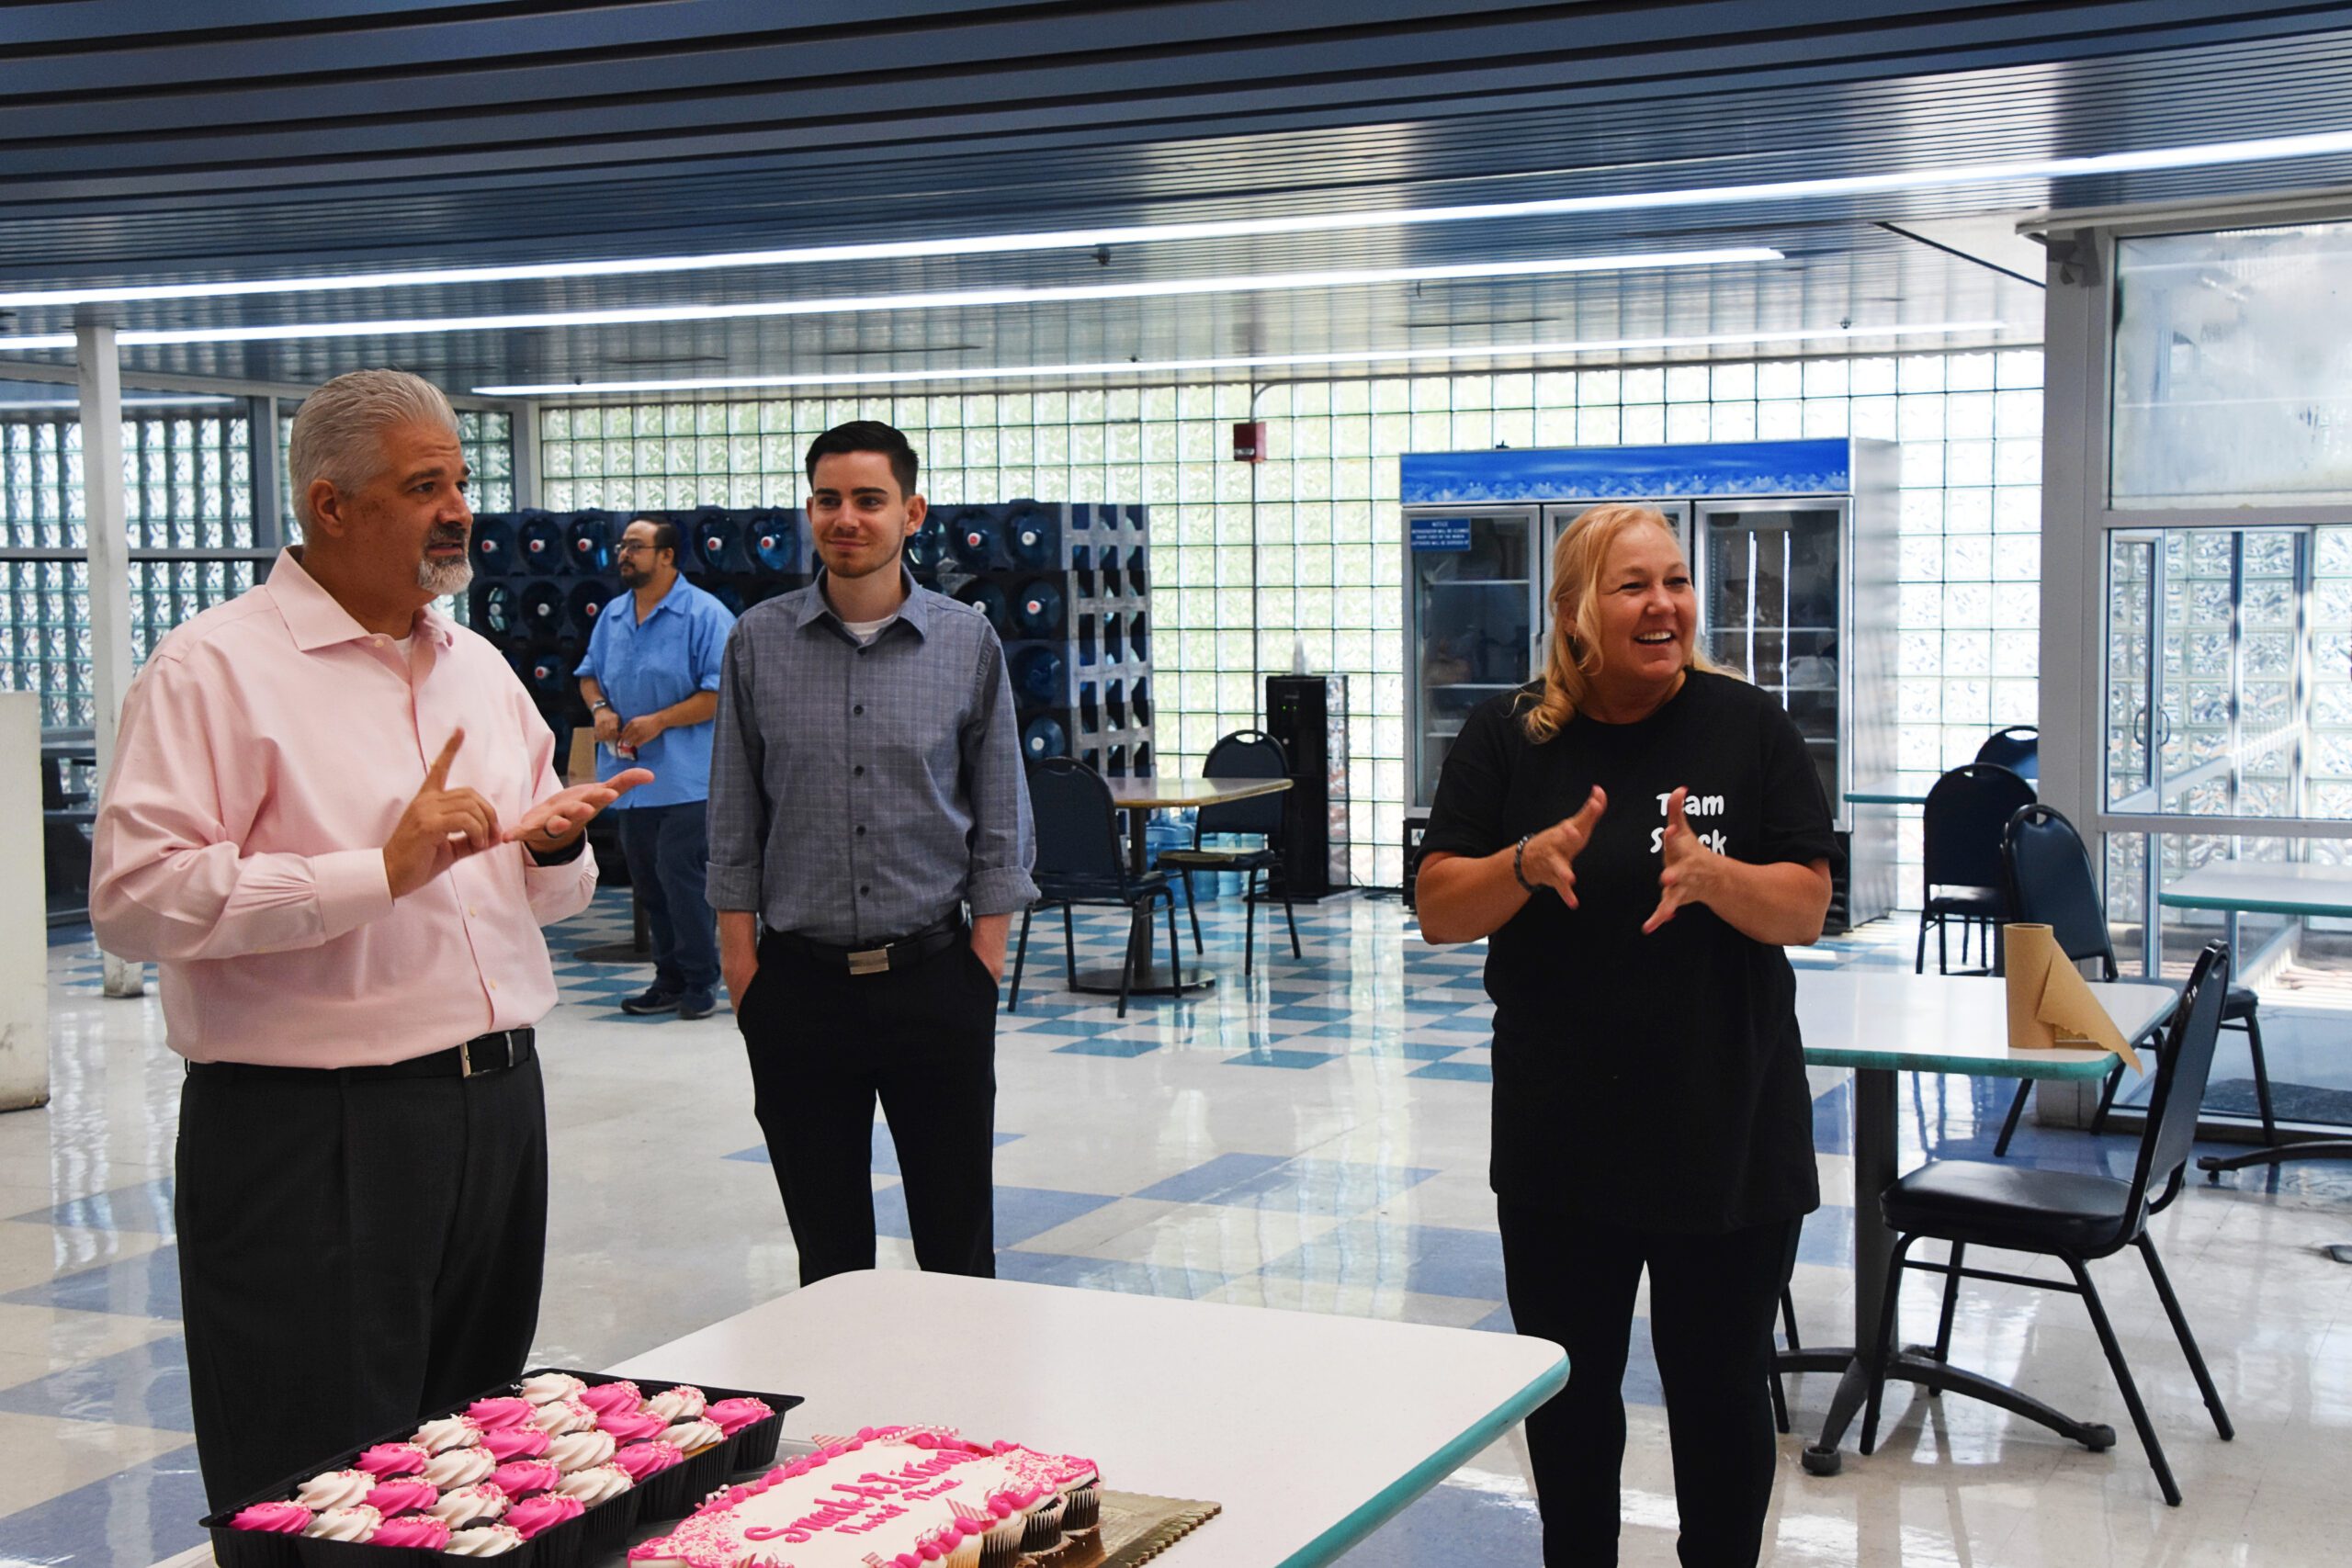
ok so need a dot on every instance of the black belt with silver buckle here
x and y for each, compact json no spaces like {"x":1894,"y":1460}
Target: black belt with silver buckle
{"x":900,"y":954}
{"x":491,"y":1053}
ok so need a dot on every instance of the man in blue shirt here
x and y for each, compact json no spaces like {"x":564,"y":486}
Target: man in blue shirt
{"x":651,"y":677}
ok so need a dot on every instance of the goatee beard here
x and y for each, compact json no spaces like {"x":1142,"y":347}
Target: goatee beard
{"x":442,"y":578}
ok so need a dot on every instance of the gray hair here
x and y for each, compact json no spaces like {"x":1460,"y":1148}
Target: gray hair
{"x":339,"y":431}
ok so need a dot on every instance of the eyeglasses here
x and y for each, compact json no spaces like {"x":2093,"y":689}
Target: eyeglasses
{"x":632,"y":548}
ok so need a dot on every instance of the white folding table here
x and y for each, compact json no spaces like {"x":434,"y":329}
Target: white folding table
{"x":1311,"y":1430}
{"x":1880,"y":1023}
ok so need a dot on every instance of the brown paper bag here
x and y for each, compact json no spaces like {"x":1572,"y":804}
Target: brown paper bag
{"x":2051,"y":1004}
{"x":581,"y":765}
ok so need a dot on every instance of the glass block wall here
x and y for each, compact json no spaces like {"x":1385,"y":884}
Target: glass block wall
{"x":187,"y":482}
{"x":1258,"y":563}
{"x":487,"y":439}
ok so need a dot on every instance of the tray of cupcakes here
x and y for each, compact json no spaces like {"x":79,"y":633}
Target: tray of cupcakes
{"x":554,"y":1471}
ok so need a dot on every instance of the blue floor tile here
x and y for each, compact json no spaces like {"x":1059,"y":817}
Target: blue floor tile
{"x":1430,"y":1261}
{"x":145,"y":1286}
{"x":1456,"y":1525}
{"x":1466,"y":1072}
{"x":137,"y":1515}
{"x":1021,"y":1211}
{"x":1103,"y":1045}
{"x":1208,"y":1181}
{"x":1281,"y":1056}
{"x":1130,"y":1278}
{"x":1345,"y":1188}
{"x":146,"y":1207}
{"x":144,"y":1386}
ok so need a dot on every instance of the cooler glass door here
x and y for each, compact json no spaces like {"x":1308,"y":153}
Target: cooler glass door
{"x":1772,"y":606}
{"x":1470,"y":607}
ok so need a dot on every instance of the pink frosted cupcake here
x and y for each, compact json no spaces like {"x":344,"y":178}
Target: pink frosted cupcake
{"x":514,"y":1442}
{"x":402,"y":1494}
{"x":605,"y":1398}
{"x":525,"y":1477}
{"x":393,"y":1459}
{"x":533,"y":1515}
{"x":641,"y":1460}
{"x":631,"y":1426}
{"x":421,"y":1531}
{"x":505,"y":1411}
{"x":734,"y":1415}
{"x":278,"y":1518}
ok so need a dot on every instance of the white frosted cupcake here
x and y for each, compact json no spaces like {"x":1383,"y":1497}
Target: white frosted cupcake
{"x":486,"y":1540}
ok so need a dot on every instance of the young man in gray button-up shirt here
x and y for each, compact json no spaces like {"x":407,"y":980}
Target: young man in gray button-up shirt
{"x":866,"y":792}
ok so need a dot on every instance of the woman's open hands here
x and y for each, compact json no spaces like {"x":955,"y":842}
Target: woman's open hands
{"x":1550,"y":860}
{"x":1689,"y":863}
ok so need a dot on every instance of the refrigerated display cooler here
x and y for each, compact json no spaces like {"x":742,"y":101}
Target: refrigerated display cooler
{"x":1793,"y":554}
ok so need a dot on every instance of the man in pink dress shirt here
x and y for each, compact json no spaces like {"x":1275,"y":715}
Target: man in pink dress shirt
{"x":334,"y":823}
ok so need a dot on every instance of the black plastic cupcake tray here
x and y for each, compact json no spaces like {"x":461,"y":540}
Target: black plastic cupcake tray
{"x":595,"y":1536}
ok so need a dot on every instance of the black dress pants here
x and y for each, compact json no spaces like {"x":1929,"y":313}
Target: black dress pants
{"x":824,"y":1045}
{"x":1572,"y":1281}
{"x":354,"y":1252}
{"x":669,"y":856}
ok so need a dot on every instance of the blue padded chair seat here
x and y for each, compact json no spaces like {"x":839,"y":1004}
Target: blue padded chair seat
{"x":2241,"y":1001}
{"x":2010,"y":1206}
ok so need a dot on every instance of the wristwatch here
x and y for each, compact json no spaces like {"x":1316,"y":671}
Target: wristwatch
{"x":599,"y":706}
{"x":1518,"y":863}
{"x":564,"y":856}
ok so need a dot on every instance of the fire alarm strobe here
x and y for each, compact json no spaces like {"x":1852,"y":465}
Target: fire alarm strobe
{"x":1249,"y":441}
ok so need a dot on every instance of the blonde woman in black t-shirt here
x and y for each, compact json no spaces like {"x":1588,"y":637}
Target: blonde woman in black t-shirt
{"x":1640,"y":836}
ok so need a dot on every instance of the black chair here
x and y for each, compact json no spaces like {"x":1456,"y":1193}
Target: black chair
{"x":1244,"y":754}
{"x":1960,"y":860}
{"x":2072,"y":1216}
{"x":1079,"y":862}
{"x":2017,"y":748}
{"x":2046,"y":870}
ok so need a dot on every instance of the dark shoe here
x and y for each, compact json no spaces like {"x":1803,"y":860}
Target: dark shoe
{"x":696,"y":1004}
{"x":652,"y":1001}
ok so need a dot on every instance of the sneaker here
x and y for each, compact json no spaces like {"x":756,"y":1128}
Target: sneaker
{"x":696,"y":1004}
{"x":652,"y":1001}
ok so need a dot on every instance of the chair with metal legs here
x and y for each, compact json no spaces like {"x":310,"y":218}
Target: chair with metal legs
{"x":1244,"y":754}
{"x":1960,"y":847}
{"x":2072,"y":1216}
{"x":1079,"y":862}
{"x":2046,"y":872}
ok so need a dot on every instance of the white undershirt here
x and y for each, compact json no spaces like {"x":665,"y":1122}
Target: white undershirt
{"x":866,"y":631}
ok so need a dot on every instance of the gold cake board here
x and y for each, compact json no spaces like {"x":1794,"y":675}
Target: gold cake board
{"x":1135,"y":1529}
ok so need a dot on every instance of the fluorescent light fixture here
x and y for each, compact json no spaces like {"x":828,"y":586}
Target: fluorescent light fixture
{"x":1232,"y":362}
{"x":194,"y":399}
{"x":2318,"y":144}
{"x":960,"y":299}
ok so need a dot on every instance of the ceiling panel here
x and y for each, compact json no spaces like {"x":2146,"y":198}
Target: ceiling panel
{"x":139,"y":143}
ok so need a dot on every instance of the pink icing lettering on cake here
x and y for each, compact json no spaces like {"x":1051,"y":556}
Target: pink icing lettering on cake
{"x":533,"y":1515}
{"x":903,"y":1497}
{"x":402,"y":1494}
{"x":525,"y":1477}
{"x":422,"y":1531}
{"x":514,"y":1442}
{"x":281,"y":1518}
{"x":604,"y":1398}
{"x":628,"y":1425}
{"x":393,"y":1459}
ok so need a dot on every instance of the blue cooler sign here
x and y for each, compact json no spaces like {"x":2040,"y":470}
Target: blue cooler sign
{"x":1441,"y":533}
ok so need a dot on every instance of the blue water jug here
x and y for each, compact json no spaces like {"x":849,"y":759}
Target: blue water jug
{"x":1033,"y":534}
{"x":1043,"y":738}
{"x":1039,"y":675}
{"x":542,"y":608}
{"x":1037,"y":609}
{"x":539,"y":541}
{"x":927,"y":546}
{"x":587,"y":601}
{"x":988,"y":599}
{"x":493,"y":546}
{"x":976,"y":539}
{"x":589,"y":541}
